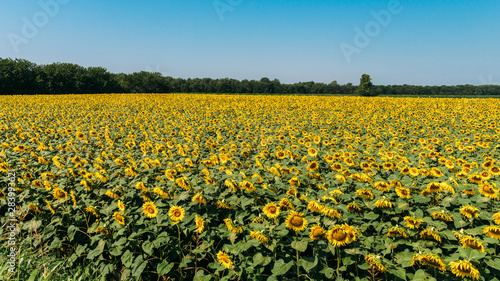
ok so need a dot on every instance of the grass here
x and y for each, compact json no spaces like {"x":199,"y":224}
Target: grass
{"x":39,"y":265}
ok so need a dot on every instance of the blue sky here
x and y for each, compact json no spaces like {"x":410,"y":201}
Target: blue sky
{"x":412,"y":42}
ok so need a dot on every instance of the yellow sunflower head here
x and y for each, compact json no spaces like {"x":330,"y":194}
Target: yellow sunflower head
{"x":464,"y":269}
{"x":317,"y":232}
{"x":176,"y":213}
{"x":492,"y":231}
{"x":149,"y":209}
{"x":296,"y":221}
{"x":271,"y":210}
{"x":119,"y":218}
{"x":224,"y":259}
{"x":60,"y":194}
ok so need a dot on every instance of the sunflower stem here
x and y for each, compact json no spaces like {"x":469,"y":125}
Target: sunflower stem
{"x":338,"y":261}
{"x":298,"y":270}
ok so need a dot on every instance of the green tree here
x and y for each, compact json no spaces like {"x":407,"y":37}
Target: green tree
{"x":365,"y":85}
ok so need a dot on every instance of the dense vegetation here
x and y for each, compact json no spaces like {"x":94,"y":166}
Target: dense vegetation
{"x":19,"y":76}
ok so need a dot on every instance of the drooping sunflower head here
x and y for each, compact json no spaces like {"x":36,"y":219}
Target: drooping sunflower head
{"x":271,"y":210}
{"x":60,"y":194}
{"x":471,"y":242}
{"x":150,"y":210}
{"x":397,"y":232}
{"x":364,"y":193}
{"x":198,"y":198}
{"x":469,"y":211}
{"x":200,"y":224}
{"x":294,"y":182}
{"x":464,"y":269}
{"x":259,"y":237}
{"x":383,"y":203}
{"x":496,"y":218}
{"x":119,"y":218}
{"x":430,"y":260}
{"x":176,"y":213}
{"x":296,"y":221}
{"x":353,"y":207}
{"x":374,"y":263}
{"x":412,"y":223}
{"x":430,"y":234}
{"x":121,"y":206}
{"x":488,"y":190}
{"x":224,"y":259}
{"x":317,"y":232}
{"x":492,"y":231}
{"x":382,"y":186}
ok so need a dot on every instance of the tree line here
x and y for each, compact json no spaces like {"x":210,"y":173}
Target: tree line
{"x":19,"y":76}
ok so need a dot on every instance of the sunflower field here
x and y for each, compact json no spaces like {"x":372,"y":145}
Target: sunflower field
{"x":235,"y":187}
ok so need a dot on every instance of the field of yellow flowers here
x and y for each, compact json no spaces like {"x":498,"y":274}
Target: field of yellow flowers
{"x":235,"y":187}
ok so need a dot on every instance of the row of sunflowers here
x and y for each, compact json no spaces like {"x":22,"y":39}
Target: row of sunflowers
{"x":228,"y":187}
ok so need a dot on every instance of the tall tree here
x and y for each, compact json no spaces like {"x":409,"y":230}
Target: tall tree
{"x":365,"y":85}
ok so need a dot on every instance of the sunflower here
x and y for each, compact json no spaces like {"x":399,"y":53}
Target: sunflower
{"x":340,"y":235}
{"x":280,"y":154}
{"x":296,"y":221}
{"x":337,"y":167}
{"x":271,"y":210}
{"x":382,"y":186}
{"x":430,"y":260}
{"x":441,"y":216}
{"x":50,"y":207}
{"x":60,"y":194}
{"x":495,"y":170}
{"x":353,"y":207}
{"x":475,"y":178}
{"x":111,"y":194}
{"x":430,"y":234}
{"x":73,"y":198}
{"x":149,"y":209}
{"x":330,"y":212}
{"x":383,"y":203}
{"x":230,"y":226}
{"x":492,"y":231}
{"x":316,"y":232}
{"x":412,"y":223}
{"x":259,"y":237}
{"x":469,"y":211}
{"x":222,"y":205}
{"x":198,"y":198}
{"x":312,"y":152}
{"x":403,"y":192}
{"x":364,"y":193}
{"x":496,"y":218}
{"x":374,"y":263}
{"x":435,"y":172}
{"x":182,"y":182}
{"x":294,"y":182}
{"x":470,"y":242}
{"x":397,"y":232}
{"x":405,"y":170}
{"x":432,"y":187}
{"x":489,"y":191}
{"x":224,"y":259}
{"x":414,"y":172}
{"x":464,"y":269}
{"x":313,"y":166}
{"x":485,"y":175}
{"x":121,"y":206}
{"x":119,"y":218}
{"x":176,"y":213}
{"x":200,"y":224}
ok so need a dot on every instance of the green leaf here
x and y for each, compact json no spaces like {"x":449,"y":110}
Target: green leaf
{"x":136,"y":271}
{"x":328,"y":272}
{"x":308,"y":263}
{"x":148,"y":247}
{"x":280,"y":267}
{"x":420,"y":275}
{"x":400,"y":272}
{"x":97,"y":251}
{"x":371,"y":216}
{"x":127,"y":258}
{"x":164,"y":267}
{"x":300,"y":246}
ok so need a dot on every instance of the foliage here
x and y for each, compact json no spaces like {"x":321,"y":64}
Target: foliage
{"x":221,"y":187}
{"x":365,"y":85}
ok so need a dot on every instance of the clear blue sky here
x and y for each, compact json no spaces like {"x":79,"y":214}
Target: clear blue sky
{"x":424,"y":42}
